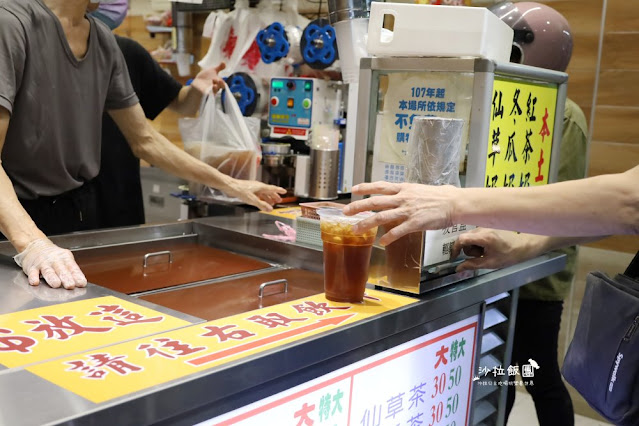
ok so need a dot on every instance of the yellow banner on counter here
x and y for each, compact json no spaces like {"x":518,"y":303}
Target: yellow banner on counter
{"x":118,"y":370}
{"x":521,"y":131}
{"x":44,"y":333}
{"x":286,"y":212}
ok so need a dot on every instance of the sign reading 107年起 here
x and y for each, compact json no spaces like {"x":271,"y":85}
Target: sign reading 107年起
{"x":522,"y":124}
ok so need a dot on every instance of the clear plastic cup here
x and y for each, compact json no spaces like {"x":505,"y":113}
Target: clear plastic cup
{"x":346,"y":255}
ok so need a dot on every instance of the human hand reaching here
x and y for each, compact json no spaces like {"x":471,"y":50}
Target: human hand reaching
{"x":55,"y":264}
{"x":209,"y":79}
{"x":258,"y":194}
{"x":494,"y":249}
{"x":413,"y":207}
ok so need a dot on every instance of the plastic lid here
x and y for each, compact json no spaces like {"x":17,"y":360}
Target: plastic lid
{"x":338,"y":216}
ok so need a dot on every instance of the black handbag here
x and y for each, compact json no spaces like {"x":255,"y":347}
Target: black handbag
{"x":602,"y":362}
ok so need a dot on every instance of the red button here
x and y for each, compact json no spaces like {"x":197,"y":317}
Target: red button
{"x":275,"y":101}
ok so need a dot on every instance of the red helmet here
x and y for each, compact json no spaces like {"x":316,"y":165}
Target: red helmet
{"x":542,"y":35}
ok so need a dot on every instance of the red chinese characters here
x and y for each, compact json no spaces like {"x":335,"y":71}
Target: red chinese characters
{"x":62,"y":328}
{"x":222,"y":334}
{"x":545,"y":131}
{"x":13,"y":343}
{"x":540,"y":163}
{"x":303,"y":415}
{"x":176,"y":348}
{"x":123,"y":317}
{"x":100,"y":365}
{"x":229,"y":46}
{"x":441,"y":356}
{"x":252,"y":56}
{"x":274,"y":320}
{"x":318,"y":309}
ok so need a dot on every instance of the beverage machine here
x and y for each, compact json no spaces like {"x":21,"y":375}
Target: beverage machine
{"x":302,"y":152}
{"x":493,"y":124}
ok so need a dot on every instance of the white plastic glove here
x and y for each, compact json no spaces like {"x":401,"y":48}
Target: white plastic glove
{"x":56,"y":265}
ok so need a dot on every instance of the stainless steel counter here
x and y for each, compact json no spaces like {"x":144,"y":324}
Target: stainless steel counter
{"x":26,"y":399}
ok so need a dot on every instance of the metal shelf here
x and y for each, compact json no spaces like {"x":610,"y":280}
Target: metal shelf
{"x":482,"y":410}
{"x":489,"y":342}
{"x":483,"y":390}
{"x":208,"y":5}
{"x":497,"y":298}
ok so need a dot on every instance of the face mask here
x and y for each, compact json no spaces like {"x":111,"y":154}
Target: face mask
{"x":111,"y":12}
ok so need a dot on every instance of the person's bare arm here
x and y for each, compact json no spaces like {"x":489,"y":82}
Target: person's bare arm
{"x":154,"y":148}
{"x":493,"y":249}
{"x":601,"y":205}
{"x":15,"y":223}
{"x":37,"y":255}
{"x":189,"y":98}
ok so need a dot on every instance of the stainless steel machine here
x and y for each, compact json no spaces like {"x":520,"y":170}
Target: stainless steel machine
{"x":172,"y":298}
{"x":513,"y":117}
{"x":303,"y":115}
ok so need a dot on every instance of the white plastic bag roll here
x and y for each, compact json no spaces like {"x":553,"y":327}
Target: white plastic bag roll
{"x":434,"y":148}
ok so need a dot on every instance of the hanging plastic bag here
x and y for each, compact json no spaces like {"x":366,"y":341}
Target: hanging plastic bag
{"x":226,"y":141}
{"x":232,"y":35}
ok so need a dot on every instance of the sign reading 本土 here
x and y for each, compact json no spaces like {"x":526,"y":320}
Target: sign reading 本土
{"x":522,"y":125}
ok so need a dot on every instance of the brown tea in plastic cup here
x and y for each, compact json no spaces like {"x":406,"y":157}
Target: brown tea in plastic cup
{"x":346,"y":255}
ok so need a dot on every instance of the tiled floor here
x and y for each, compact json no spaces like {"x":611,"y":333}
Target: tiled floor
{"x":523,"y":414}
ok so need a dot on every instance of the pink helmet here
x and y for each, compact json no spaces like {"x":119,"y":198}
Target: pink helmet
{"x":542,"y":35}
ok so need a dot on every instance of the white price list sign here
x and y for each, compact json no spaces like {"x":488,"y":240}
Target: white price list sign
{"x":425,"y":382}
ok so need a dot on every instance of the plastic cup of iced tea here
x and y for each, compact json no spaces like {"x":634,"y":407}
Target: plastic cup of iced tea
{"x":346,"y":255}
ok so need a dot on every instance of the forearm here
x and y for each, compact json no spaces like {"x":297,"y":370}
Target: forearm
{"x":539,"y":244}
{"x":15,"y":223}
{"x":187,"y":102}
{"x":160,"y":152}
{"x":601,"y":205}
{"x":152,"y":147}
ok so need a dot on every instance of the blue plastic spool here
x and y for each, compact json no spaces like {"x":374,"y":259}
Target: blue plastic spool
{"x":319,"y":46}
{"x":273,"y":43}
{"x":247,"y":100}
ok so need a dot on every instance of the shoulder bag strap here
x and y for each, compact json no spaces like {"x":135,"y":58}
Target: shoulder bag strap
{"x":633,"y":269}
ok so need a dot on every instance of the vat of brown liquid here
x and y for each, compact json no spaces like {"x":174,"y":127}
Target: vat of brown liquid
{"x":240,"y":295}
{"x":122,"y":268}
{"x":346,"y":255}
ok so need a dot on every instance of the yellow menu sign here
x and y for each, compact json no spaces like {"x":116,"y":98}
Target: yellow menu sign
{"x":521,"y":131}
{"x":44,"y":333}
{"x":118,"y":370}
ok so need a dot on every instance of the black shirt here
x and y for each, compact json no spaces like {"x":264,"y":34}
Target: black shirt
{"x":118,"y":184}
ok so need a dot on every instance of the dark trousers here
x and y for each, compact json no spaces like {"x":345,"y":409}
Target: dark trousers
{"x":75,"y":210}
{"x":536,"y":335}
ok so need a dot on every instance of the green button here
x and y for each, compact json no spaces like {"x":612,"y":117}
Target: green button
{"x":306,"y":103}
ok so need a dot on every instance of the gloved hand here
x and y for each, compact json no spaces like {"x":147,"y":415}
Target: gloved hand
{"x":56,"y":265}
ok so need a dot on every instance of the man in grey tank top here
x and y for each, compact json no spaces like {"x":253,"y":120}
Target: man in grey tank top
{"x":59,"y":70}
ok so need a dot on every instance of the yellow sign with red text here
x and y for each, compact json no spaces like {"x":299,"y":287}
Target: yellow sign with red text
{"x":44,"y":333}
{"x":125,"y":368}
{"x":522,"y":126}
